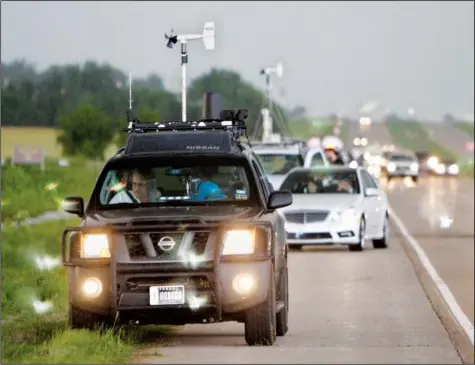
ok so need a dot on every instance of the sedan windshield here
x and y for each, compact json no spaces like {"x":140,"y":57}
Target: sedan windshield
{"x":279,"y":163}
{"x":326,"y":181}
{"x":176,"y":181}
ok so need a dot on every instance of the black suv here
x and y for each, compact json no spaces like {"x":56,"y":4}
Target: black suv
{"x":181,"y":227}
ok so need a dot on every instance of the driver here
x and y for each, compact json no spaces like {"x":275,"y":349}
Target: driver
{"x":143,"y":189}
{"x":208,"y":189}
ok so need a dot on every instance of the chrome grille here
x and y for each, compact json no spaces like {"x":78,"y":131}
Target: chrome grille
{"x":306,"y":216}
{"x":147,"y":245}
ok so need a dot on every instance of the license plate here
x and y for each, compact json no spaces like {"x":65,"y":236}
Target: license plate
{"x":167,"y":295}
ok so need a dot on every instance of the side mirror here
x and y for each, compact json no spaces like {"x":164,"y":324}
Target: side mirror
{"x":371,"y":192}
{"x":74,"y":205}
{"x":279,"y":199}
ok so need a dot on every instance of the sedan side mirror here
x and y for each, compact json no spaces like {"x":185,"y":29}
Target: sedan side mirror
{"x":371,"y":192}
{"x":279,"y":199}
{"x":74,"y":205}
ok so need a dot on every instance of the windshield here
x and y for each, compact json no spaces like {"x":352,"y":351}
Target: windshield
{"x":322,"y":182}
{"x":404,"y":158}
{"x":176,"y":181}
{"x":279,"y":164}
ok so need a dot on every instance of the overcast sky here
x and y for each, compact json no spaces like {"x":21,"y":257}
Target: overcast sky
{"x":336,"y":56}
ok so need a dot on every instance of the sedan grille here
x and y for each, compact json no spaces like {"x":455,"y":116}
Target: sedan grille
{"x":306,"y":217}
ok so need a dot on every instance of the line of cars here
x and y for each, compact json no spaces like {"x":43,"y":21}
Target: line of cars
{"x":332,"y":204}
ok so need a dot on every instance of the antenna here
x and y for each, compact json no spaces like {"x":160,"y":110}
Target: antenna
{"x":278,"y":70}
{"x":208,"y":40}
{"x":130,"y":90}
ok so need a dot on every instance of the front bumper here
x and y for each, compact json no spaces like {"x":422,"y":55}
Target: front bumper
{"x":324,"y":233}
{"x":209,"y":287}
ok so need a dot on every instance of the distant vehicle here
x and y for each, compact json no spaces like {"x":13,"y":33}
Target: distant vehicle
{"x":278,"y":160}
{"x":316,"y":157}
{"x":365,"y":122}
{"x":400,"y":164}
{"x":360,"y":141}
{"x":335,"y":205}
{"x":445,"y":167}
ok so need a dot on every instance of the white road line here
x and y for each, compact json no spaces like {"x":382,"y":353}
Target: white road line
{"x":444,"y":290}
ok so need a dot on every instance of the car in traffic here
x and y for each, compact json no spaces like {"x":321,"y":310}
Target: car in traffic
{"x":278,"y":160}
{"x":445,"y":167}
{"x":180,"y":229}
{"x":400,"y":164}
{"x":335,"y":205}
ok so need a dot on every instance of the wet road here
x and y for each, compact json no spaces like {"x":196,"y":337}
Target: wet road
{"x":377,"y":133}
{"x":345,"y":307}
{"x":451,"y":138}
{"x":439,"y":214}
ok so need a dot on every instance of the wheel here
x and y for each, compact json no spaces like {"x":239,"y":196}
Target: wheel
{"x":79,"y":318}
{"x":295,"y":247}
{"x":259,"y":322}
{"x":383,"y":242}
{"x":282,"y":317}
{"x":415,"y":178}
{"x":360,"y":245}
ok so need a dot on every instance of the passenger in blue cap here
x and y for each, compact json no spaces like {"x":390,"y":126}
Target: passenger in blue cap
{"x":208,"y":189}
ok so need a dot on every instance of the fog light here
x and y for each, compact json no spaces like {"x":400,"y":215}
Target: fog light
{"x":92,"y":287}
{"x":243,"y":283}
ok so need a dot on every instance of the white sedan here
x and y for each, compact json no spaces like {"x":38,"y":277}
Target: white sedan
{"x":335,"y":205}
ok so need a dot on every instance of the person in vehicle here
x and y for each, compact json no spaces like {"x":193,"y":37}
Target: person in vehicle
{"x":333,"y":157}
{"x":207,"y":188}
{"x":143,"y":189}
{"x":289,"y":164}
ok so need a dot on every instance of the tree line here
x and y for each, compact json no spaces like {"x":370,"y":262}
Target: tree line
{"x":88,"y":101}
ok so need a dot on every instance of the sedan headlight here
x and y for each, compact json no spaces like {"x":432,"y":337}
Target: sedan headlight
{"x":453,"y":169}
{"x":95,"y":246}
{"x":239,"y":242}
{"x":347,"y":215}
{"x":414,"y":167}
{"x":391,"y":167}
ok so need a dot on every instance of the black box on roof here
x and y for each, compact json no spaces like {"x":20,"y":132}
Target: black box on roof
{"x":180,"y":142}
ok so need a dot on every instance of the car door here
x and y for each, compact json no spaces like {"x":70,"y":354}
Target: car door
{"x":374,"y":205}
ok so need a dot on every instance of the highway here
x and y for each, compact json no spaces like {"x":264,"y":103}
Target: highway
{"x":377,"y":133}
{"x":451,"y":138}
{"x":375,"y":306}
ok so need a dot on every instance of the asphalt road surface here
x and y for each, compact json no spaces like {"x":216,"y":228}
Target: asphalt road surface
{"x":451,"y":138}
{"x":377,"y":133}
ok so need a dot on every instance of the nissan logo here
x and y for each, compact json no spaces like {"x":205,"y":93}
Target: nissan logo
{"x":166,"y":243}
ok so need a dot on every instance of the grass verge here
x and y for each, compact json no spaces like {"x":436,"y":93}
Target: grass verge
{"x":412,"y":136}
{"x":29,"y":337}
{"x":465,"y":127}
{"x":27,"y":191}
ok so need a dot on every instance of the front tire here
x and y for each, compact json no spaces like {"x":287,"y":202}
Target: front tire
{"x":282,"y":318}
{"x":260,"y":321}
{"x":360,"y":245}
{"x":383,"y":242}
{"x":415,"y":178}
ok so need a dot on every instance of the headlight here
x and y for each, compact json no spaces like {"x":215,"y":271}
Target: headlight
{"x":347,"y":215}
{"x":391,"y":167}
{"x":239,"y":242}
{"x":414,"y":167}
{"x":95,"y":246}
{"x":454,"y":169}
{"x":440,"y":169}
{"x":353,"y":164}
{"x":432,"y":161}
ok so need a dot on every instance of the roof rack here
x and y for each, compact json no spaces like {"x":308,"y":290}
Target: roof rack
{"x":230,"y":120}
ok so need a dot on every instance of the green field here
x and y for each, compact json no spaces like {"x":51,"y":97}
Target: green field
{"x":32,"y":337}
{"x":412,"y":136}
{"x":35,"y":137}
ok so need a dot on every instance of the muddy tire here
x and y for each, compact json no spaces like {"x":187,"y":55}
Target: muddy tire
{"x":282,"y":317}
{"x":259,"y":322}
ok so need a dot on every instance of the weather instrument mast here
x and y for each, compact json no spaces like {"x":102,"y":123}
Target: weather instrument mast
{"x":208,"y":40}
{"x":267,"y":129}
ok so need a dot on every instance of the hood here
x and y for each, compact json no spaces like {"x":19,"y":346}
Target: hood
{"x":206,"y":213}
{"x":276,"y":180}
{"x":322,"y":201}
